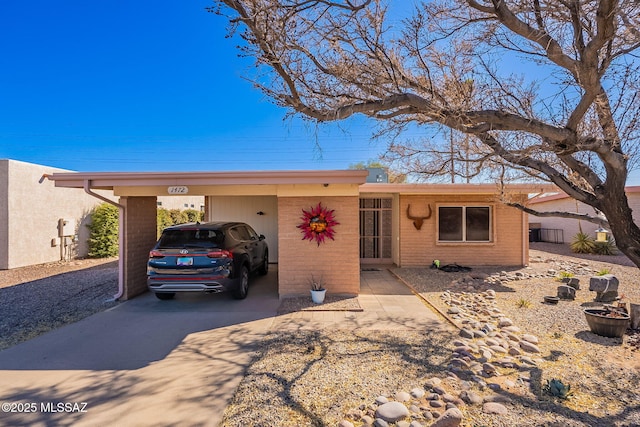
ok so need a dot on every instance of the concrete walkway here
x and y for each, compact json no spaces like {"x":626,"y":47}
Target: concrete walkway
{"x":148,"y":362}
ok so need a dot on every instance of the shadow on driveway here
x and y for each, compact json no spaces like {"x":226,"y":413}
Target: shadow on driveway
{"x":142,"y":330}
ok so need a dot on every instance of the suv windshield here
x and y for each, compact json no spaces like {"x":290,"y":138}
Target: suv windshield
{"x":190,"y":238}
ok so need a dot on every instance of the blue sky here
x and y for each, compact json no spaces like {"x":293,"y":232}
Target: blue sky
{"x":147,"y":86}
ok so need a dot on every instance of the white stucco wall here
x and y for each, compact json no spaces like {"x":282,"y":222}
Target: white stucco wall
{"x":31,"y":207}
{"x":567,"y":204}
{"x":179,"y":202}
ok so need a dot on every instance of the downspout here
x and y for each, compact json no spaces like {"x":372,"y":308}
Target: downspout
{"x":87,"y":189}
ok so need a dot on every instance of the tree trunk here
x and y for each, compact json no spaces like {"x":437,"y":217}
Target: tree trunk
{"x":634,"y":313}
{"x":615,"y":207}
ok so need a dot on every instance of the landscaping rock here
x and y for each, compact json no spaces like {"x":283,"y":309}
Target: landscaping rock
{"x":566,"y":292}
{"x":605,"y":283}
{"x":392,"y":411}
{"x":403,"y":396}
{"x":417,"y":392}
{"x":529,"y":347}
{"x":574,"y":282}
{"x":450,"y":418}
{"x":471,"y":398}
{"x":494,"y":408}
{"x":608,"y":296}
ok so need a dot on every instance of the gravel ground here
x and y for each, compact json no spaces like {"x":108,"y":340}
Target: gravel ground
{"x":37,"y":299}
{"x":317,"y":378}
{"x":327,"y":376}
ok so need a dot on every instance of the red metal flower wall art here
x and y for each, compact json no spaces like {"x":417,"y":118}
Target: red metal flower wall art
{"x":317,"y":224}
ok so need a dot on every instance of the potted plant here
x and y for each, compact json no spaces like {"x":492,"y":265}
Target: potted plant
{"x":608,"y":321}
{"x":317,"y":290}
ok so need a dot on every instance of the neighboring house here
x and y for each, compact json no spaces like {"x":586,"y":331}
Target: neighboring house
{"x":31,"y":210}
{"x":181,"y":202}
{"x":568,"y":227}
{"x":402,"y":224}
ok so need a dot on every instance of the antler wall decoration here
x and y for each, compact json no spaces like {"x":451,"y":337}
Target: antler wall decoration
{"x":418,"y":220}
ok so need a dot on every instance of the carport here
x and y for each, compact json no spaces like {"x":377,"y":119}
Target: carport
{"x":269,"y":200}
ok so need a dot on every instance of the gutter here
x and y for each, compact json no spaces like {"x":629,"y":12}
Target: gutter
{"x":87,"y":189}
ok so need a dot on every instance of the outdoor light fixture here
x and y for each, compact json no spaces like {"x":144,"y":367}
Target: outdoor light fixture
{"x":602,"y":235}
{"x":260,"y":213}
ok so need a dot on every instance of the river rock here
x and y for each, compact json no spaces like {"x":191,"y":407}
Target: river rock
{"x":403,"y":396}
{"x":529,"y":347}
{"x":466,"y":333}
{"x":470,"y":397}
{"x":417,"y":392}
{"x":392,"y":411}
{"x":450,"y":418}
{"x":494,"y":408}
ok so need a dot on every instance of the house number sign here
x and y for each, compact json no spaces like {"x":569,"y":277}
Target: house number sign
{"x":178,"y":189}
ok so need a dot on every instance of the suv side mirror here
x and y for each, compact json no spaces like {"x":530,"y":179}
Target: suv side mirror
{"x":262,"y":237}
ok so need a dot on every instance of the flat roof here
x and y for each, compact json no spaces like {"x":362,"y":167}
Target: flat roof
{"x":425,"y":188}
{"x":109,"y":180}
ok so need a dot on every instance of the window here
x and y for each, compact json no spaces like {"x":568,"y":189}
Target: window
{"x":464,"y":224}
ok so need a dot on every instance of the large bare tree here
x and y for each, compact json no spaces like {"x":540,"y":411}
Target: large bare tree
{"x":546,"y":87}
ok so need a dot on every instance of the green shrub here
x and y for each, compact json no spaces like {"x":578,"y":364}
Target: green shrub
{"x":103,"y":236}
{"x":178,"y":216}
{"x":166,"y":218}
{"x":603,"y":272}
{"x":605,"y":248}
{"x":583,"y":244}
{"x":194,"y":215}
{"x":163,"y":220}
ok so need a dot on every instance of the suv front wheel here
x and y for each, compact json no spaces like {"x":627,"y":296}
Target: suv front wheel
{"x":264,"y":268}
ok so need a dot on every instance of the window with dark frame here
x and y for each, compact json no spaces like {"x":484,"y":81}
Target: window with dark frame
{"x":464,"y":224}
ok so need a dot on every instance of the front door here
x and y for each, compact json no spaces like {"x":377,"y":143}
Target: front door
{"x":375,"y":230}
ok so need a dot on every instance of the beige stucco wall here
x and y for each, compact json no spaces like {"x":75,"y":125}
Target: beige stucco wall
{"x":336,"y":261}
{"x":508,"y":246}
{"x":245,"y":209}
{"x":31,"y":207}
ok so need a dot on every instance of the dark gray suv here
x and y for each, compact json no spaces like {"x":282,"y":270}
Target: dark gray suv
{"x":208,"y":257}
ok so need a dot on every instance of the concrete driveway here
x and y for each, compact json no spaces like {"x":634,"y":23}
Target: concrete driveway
{"x":144,"y":362}
{"x":148,"y":362}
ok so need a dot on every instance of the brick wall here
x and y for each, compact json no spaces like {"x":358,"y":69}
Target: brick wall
{"x":337,"y":261}
{"x":420,"y":247}
{"x":140,"y":235}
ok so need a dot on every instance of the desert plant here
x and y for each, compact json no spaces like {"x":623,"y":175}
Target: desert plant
{"x":607,"y":247}
{"x":564,"y":275}
{"x":556,"y":388}
{"x":583,"y":244}
{"x":103,"y":236}
{"x":316,"y":284}
{"x":603,"y":272}
{"x":523,"y":303}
